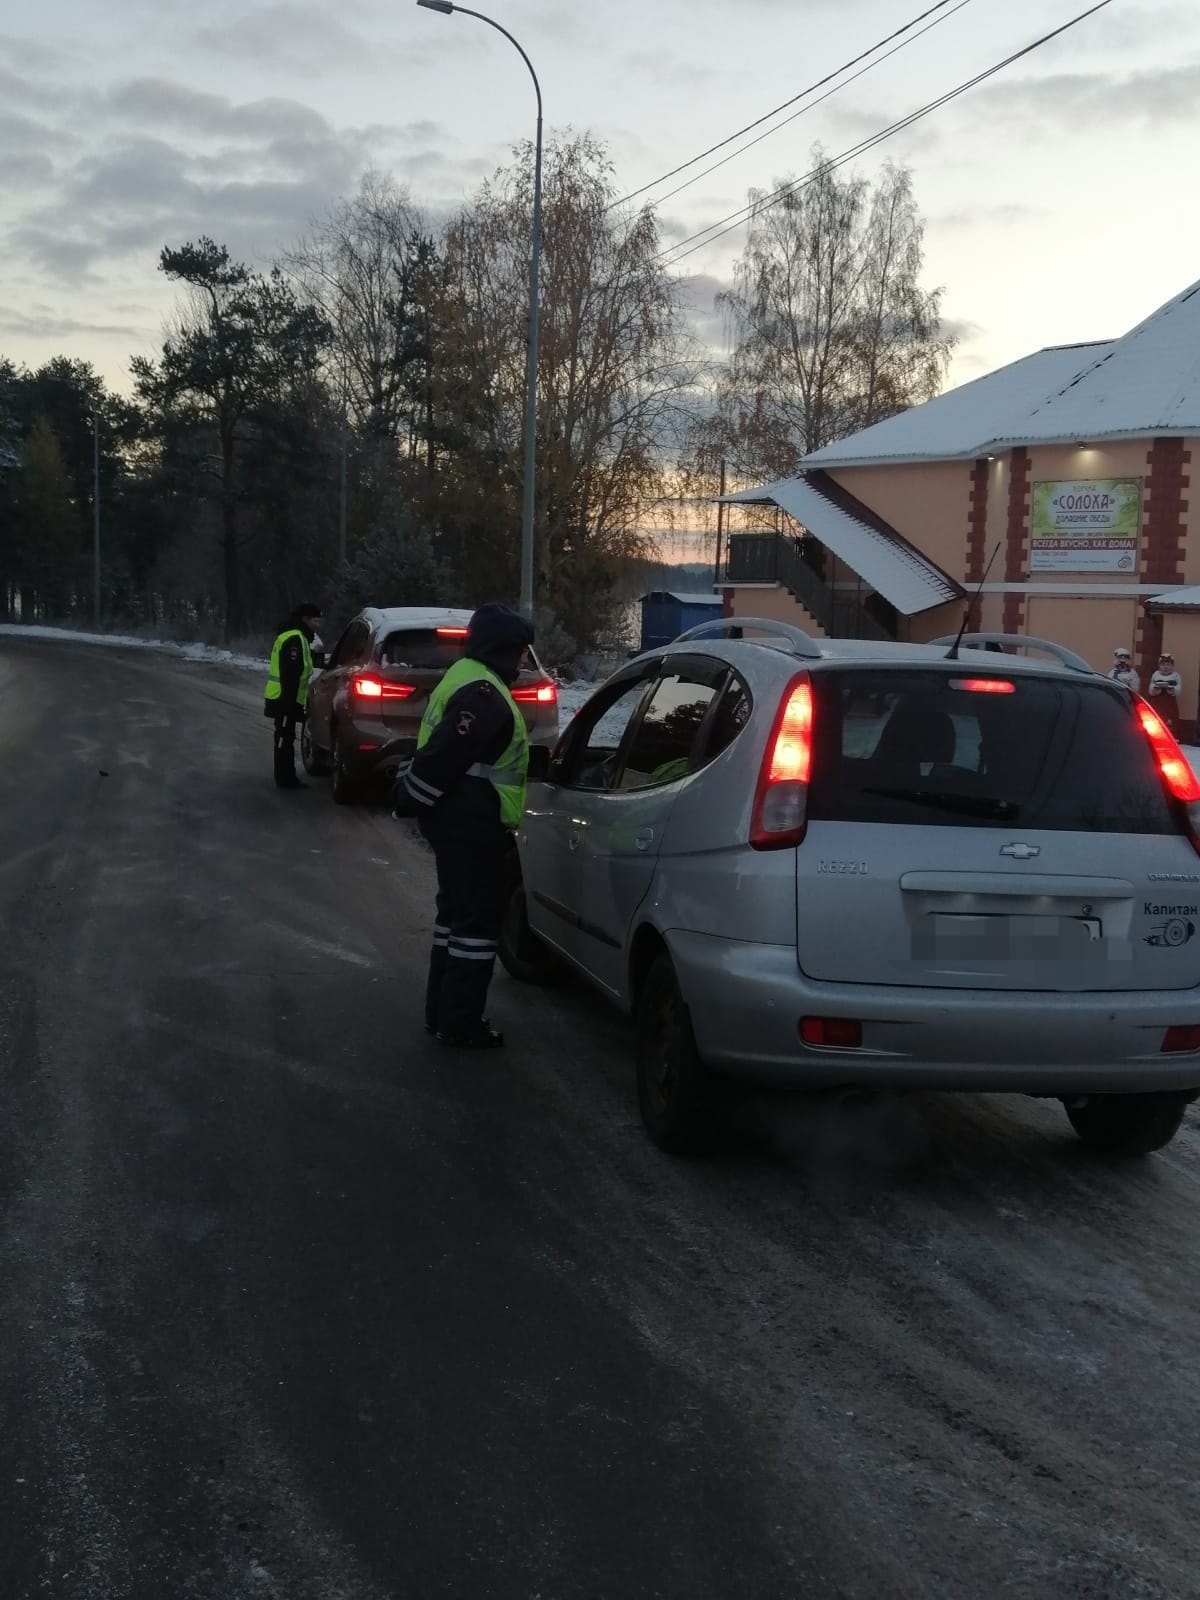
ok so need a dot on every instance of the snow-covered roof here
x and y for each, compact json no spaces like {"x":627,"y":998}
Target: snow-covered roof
{"x":695,"y":599}
{"x":901,"y":574}
{"x":1146,"y":384}
{"x":418,"y":616}
{"x":959,"y":422}
{"x":1176,"y":600}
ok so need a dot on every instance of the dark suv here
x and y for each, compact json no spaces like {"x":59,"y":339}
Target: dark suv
{"x":366,"y":705}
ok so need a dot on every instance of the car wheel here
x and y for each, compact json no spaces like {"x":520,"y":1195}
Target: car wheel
{"x":522,"y":953}
{"x":1128,"y":1124}
{"x":347,"y":789}
{"x":680,"y":1099}
{"x":315,"y":763}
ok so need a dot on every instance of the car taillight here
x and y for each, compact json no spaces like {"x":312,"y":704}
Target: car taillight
{"x":832,"y":1033}
{"x":1182,"y":783}
{"x":983,"y":685}
{"x":452,"y":633}
{"x":540,"y":694}
{"x":368,"y":688}
{"x":781,"y":801}
{"x":1181,"y":1040}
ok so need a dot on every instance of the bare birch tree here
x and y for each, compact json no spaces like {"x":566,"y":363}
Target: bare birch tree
{"x":831,"y":327}
{"x":614,"y":367}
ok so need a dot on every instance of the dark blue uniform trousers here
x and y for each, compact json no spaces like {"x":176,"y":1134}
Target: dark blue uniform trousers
{"x":472,"y":857}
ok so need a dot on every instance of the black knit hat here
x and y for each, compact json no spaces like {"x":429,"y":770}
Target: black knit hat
{"x":496,"y":629}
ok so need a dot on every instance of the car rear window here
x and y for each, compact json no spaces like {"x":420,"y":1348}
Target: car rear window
{"x":436,"y":649}
{"x":423,"y":648}
{"x":939,"y":748}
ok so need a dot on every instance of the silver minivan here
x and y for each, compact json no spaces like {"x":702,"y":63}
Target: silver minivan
{"x":841,"y":863}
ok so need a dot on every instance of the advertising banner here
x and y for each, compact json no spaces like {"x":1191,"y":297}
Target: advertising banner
{"x":1086,"y":525}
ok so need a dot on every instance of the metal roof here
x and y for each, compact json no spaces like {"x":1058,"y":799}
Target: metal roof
{"x":1143,"y":385}
{"x":1148,"y":383}
{"x":696,"y":599}
{"x":958,"y":424}
{"x":899,"y":572}
{"x":1175,"y":600}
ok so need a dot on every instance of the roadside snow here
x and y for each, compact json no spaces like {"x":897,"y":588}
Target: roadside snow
{"x":571,"y":698}
{"x":208,"y":653}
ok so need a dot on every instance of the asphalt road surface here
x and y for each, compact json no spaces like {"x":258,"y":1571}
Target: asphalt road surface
{"x":293,"y":1305}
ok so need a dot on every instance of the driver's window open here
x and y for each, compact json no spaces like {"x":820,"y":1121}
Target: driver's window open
{"x":593,"y":762}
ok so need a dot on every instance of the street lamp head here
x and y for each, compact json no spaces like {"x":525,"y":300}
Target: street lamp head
{"x":446,"y":7}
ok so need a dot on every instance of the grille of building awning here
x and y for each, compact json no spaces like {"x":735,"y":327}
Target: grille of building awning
{"x":856,"y":536}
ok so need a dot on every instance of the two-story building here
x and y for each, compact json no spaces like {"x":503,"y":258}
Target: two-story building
{"x":1060,"y":483}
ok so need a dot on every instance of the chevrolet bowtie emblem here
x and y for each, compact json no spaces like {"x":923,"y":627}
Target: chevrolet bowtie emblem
{"x":1021,"y":852}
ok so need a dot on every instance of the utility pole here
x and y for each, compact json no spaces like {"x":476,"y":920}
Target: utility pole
{"x":720,"y":527}
{"x":342,"y":481}
{"x":96,"y":516}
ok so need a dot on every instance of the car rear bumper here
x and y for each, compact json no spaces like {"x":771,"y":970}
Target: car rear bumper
{"x":747,"y":1000}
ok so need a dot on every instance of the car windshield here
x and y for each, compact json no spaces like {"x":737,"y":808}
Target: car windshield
{"x":952,"y":748}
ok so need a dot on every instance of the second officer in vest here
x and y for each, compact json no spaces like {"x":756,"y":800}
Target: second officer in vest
{"x":466,"y":784}
{"x":286,"y":693}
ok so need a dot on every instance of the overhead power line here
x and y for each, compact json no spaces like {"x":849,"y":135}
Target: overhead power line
{"x":787,"y":104}
{"x":811,"y":106}
{"x":718,"y":230}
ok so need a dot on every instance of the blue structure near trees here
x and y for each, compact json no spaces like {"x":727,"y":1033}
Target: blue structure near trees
{"x":665,"y":615}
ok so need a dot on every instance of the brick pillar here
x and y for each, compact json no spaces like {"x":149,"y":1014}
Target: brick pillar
{"x":1018,"y":528}
{"x":977,"y":528}
{"x":1164,"y":503}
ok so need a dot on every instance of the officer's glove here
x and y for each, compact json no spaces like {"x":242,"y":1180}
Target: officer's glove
{"x":403,"y":804}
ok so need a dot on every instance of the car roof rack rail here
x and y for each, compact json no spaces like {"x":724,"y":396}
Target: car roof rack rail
{"x":801,"y":643}
{"x":1021,"y":641}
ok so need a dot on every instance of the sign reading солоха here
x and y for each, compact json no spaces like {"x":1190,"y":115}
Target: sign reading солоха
{"x":1085,"y":525}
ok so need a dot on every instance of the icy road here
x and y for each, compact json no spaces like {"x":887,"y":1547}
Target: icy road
{"x":293,"y":1307}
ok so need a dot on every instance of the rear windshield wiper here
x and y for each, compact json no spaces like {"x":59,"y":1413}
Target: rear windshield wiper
{"x":969,"y":805}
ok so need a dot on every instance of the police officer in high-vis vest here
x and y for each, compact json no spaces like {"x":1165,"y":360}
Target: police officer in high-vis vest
{"x":466,"y":784}
{"x":287,"y":688}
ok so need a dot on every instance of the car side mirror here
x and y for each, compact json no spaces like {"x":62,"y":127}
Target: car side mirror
{"x":539,"y":763}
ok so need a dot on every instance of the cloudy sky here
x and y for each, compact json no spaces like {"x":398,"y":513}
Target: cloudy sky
{"x":1060,"y":197}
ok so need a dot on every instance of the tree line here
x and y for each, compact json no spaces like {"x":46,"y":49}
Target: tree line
{"x":347,"y":425}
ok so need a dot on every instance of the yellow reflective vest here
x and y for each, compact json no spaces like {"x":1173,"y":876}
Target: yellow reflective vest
{"x":274,"y":689}
{"x":507,"y":775}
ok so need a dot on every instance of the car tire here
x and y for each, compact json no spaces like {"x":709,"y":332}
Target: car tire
{"x":522,"y":954}
{"x":679,"y":1097}
{"x":315,"y":763}
{"x":347,"y":789}
{"x":1128,"y":1124}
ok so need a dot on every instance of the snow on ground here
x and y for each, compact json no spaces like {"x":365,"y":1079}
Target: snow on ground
{"x":572,"y":697}
{"x":188,"y":652}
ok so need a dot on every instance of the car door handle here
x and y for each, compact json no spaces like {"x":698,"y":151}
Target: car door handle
{"x":574,"y":840}
{"x":644,"y":838}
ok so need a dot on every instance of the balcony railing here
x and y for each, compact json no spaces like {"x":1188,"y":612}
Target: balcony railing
{"x":778,"y":558}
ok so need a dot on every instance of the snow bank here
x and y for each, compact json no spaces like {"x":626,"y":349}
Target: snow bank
{"x":572,"y":697}
{"x":212,"y":654}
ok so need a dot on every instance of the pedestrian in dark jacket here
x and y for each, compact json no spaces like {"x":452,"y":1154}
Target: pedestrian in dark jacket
{"x":466,"y":785}
{"x":286,"y":694}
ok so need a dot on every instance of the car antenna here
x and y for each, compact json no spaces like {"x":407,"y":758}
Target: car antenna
{"x":952,"y":653}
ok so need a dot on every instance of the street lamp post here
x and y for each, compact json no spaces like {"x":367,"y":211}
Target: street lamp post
{"x":96,"y":516}
{"x":448,"y":7}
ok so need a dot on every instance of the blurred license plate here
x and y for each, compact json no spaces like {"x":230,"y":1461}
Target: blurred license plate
{"x":1012,"y":938}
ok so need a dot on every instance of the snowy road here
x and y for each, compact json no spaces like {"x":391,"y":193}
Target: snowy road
{"x":292,"y":1306}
